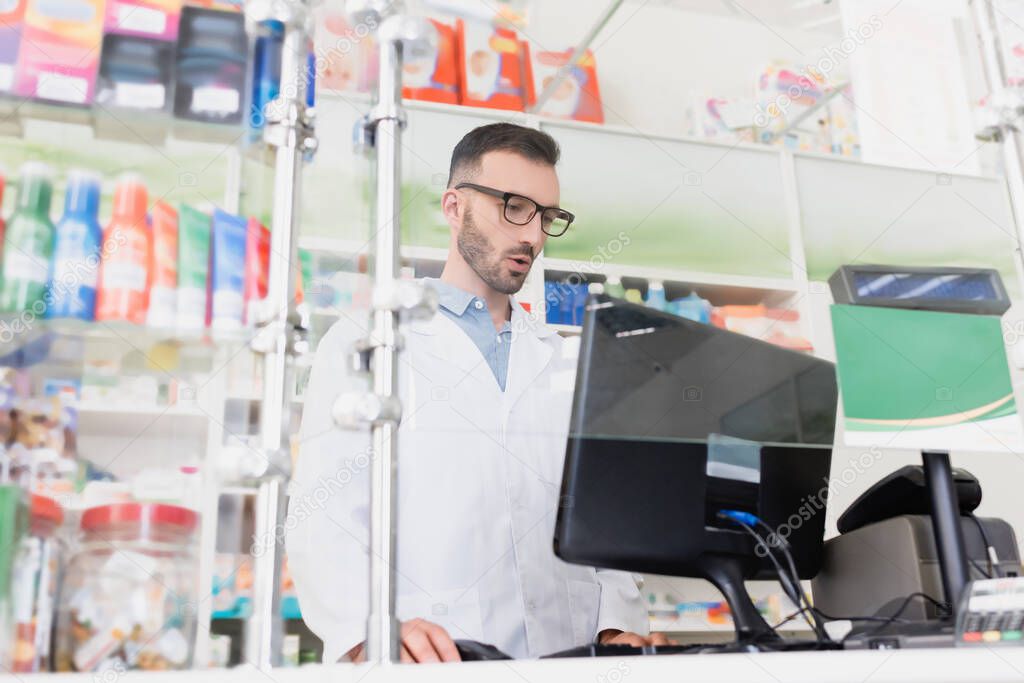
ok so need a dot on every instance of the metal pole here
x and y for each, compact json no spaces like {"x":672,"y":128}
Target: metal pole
{"x":577,"y":54}
{"x":382,"y":644}
{"x":289,"y":131}
{"x":1012,"y":146}
{"x":949,"y":535}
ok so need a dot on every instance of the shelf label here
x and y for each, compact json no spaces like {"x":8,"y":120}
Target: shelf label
{"x":61,"y":87}
{"x":139,"y":95}
{"x":141,"y":19}
{"x":214,"y":99}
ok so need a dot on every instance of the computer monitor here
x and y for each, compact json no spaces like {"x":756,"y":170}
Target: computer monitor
{"x":673,"y":421}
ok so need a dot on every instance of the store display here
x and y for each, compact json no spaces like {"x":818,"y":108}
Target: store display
{"x":28,"y":243}
{"x":163,"y":293}
{"x":656,"y":295}
{"x":128,"y":590}
{"x":13,"y":525}
{"x":136,"y":73}
{"x":775,"y":325}
{"x":76,"y":260}
{"x":193,"y":267}
{"x":59,"y":52}
{"x":34,"y":588}
{"x":211,"y":64}
{"x":577,"y":96}
{"x":493,"y":66}
{"x":123,"y":292}
{"x":144,"y":18}
{"x":435,"y":76}
{"x":12,"y":15}
{"x":257,"y":266}
{"x":227,"y":277}
{"x":346,"y":56}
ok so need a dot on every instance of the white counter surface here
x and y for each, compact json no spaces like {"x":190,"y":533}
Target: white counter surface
{"x":980,"y":665}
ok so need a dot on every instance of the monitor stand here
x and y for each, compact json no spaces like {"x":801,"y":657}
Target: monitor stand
{"x":949,"y":535}
{"x":726,"y":573}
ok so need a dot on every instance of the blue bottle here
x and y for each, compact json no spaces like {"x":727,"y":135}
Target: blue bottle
{"x":76,"y":255}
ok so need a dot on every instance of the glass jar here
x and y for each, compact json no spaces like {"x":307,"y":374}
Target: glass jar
{"x":128,"y":595}
{"x":34,"y":587}
{"x":13,"y":525}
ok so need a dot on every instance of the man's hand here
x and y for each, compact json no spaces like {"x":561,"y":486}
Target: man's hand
{"x":422,"y":641}
{"x":611,"y":636}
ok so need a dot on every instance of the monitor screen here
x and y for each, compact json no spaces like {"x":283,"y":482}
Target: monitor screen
{"x":968,"y":286}
{"x":665,"y":377}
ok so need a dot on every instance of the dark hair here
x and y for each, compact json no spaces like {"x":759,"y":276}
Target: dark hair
{"x":531,"y":143}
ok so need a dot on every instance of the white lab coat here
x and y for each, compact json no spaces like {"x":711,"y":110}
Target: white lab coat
{"x":479,"y":475}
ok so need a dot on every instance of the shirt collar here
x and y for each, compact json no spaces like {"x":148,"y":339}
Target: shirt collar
{"x":449,"y":296}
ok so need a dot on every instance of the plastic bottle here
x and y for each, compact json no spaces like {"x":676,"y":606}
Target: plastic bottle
{"x":123,"y":293}
{"x":613,"y":287}
{"x":29,"y":243}
{"x":656,"y":295}
{"x":3,"y":179}
{"x":76,"y":259}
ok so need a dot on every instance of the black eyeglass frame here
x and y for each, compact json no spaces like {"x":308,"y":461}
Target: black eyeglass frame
{"x":538,"y":208}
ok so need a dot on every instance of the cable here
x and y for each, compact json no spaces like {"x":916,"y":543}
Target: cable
{"x":790,"y":584}
{"x":895,"y":616}
{"x":990,"y":550}
{"x":783,"y":545}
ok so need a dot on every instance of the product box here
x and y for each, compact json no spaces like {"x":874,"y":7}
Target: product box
{"x":60,"y":48}
{"x":136,"y":73}
{"x":211,"y":66}
{"x":346,"y":56}
{"x":156,"y":19}
{"x":12,"y":14}
{"x":435,"y":77}
{"x":578,"y":96}
{"x":493,"y":66}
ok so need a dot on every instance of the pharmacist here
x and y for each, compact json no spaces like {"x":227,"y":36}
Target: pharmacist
{"x":486,"y":394}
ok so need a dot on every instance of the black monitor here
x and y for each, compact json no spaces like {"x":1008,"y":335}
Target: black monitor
{"x":674,"y":421}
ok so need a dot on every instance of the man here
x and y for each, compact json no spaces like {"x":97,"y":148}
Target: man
{"x":486,"y":394}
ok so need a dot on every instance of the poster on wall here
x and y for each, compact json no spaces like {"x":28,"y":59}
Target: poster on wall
{"x":924,"y":380}
{"x":909,"y":76}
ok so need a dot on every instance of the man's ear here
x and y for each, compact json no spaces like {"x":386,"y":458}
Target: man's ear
{"x":451,"y":206}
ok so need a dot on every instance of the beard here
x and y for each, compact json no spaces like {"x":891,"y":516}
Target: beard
{"x":476,"y":249}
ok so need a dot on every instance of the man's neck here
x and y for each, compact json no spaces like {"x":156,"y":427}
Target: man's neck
{"x":465,"y":278}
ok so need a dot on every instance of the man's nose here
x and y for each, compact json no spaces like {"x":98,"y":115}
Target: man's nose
{"x":531,"y":233}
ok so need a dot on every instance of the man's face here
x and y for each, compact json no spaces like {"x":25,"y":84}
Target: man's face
{"x":499,"y":252}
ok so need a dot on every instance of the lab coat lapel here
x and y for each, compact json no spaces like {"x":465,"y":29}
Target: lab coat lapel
{"x":444,"y":340}
{"x":529,"y":355}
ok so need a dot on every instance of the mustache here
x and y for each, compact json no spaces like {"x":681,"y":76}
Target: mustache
{"x":525,"y":250}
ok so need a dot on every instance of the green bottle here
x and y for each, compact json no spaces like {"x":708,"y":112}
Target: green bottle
{"x":28,"y":244}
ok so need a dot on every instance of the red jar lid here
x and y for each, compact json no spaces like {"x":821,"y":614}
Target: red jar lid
{"x":46,"y":510}
{"x":171,"y":517}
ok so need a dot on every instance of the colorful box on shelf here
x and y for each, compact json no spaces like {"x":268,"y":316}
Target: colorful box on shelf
{"x":774,"y":325}
{"x":578,"y":96}
{"x":156,"y":19}
{"x":494,"y":66}
{"x":12,"y":15}
{"x":435,"y":77}
{"x":136,"y":73}
{"x":59,"y":53}
{"x":211,"y":66}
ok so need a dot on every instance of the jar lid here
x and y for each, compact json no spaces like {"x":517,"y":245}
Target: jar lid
{"x":46,"y":510}
{"x":155,"y":514}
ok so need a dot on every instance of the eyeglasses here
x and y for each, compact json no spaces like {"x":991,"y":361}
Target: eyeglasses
{"x":520,"y":210}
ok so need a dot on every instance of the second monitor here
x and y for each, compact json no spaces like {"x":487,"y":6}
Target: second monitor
{"x":674,"y":422}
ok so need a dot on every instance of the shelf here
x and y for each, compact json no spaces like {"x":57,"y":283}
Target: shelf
{"x":694,"y":625}
{"x":158,"y":128}
{"x":97,"y":419}
{"x":340,"y":247}
{"x":18,"y":331}
{"x":566,"y":330}
{"x":719,"y":288}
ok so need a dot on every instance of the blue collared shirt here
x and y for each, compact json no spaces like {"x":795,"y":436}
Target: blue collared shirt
{"x":471,"y":315}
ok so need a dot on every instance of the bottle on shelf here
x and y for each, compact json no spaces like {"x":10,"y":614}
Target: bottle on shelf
{"x":28,"y":243}
{"x":613,"y":287}
{"x":123,"y":292}
{"x":656,"y":295}
{"x":76,"y":260}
